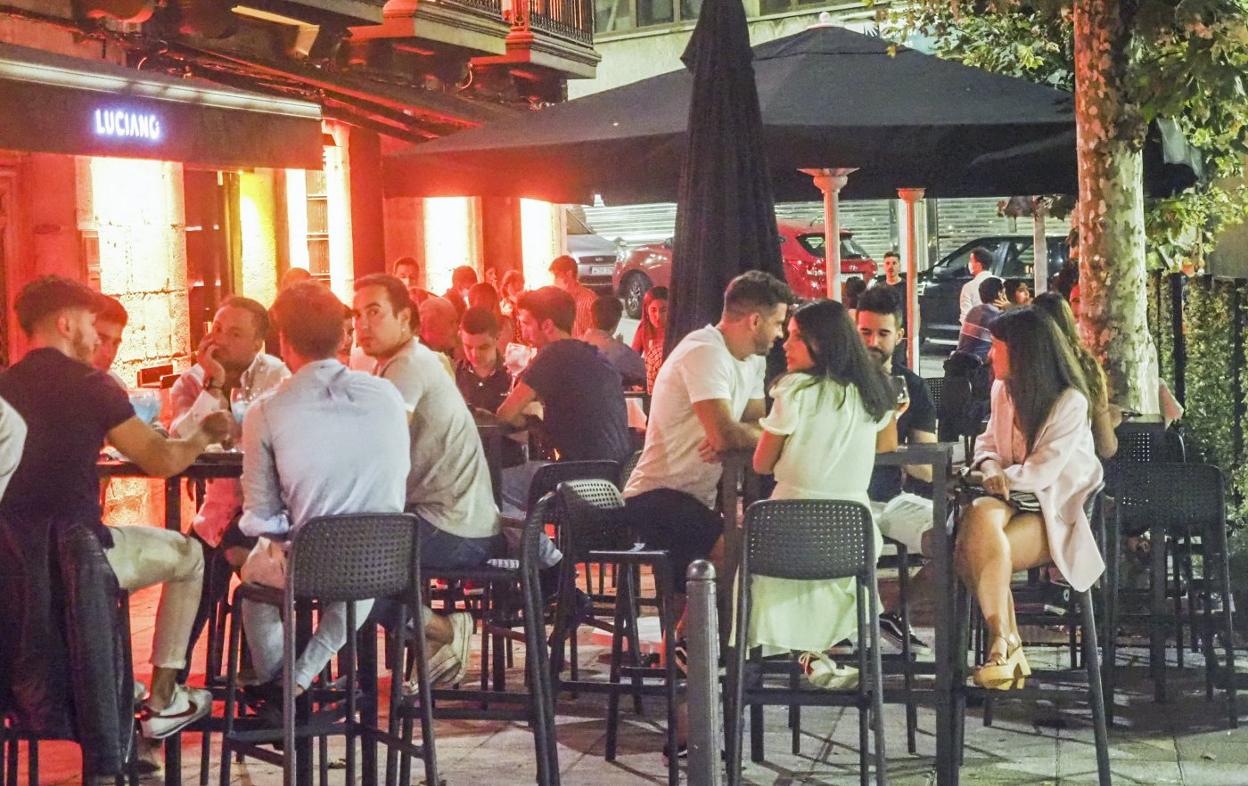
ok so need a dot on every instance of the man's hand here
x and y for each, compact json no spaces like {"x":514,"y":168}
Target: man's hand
{"x":217,"y":427}
{"x":707,"y":452}
{"x":206,"y":357}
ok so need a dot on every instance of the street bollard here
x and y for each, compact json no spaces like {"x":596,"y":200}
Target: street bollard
{"x":702,"y":633}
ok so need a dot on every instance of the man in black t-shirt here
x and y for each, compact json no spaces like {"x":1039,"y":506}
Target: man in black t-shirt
{"x":581,"y":393}
{"x":900,"y":496}
{"x":70,"y":409}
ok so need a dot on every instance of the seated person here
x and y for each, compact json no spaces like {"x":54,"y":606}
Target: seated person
{"x":329,"y":441}
{"x":110,"y":324}
{"x":975,"y":338}
{"x":448,"y":487}
{"x":607,"y":311}
{"x":1038,"y":465}
{"x":480,"y":376}
{"x":56,"y":478}
{"x":436,"y":320}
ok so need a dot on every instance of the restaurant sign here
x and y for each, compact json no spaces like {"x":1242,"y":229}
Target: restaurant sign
{"x":124,"y":124}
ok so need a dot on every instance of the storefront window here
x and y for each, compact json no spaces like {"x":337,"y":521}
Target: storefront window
{"x":766,"y":7}
{"x":619,"y":15}
{"x":318,"y":225}
{"x":655,"y":12}
{"x":613,"y":15}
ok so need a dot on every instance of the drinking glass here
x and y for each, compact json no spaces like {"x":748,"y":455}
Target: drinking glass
{"x":240,"y":400}
{"x":146,"y":404}
{"x":903,"y":393}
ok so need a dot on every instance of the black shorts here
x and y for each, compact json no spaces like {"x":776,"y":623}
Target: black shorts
{"x":676,"y":522}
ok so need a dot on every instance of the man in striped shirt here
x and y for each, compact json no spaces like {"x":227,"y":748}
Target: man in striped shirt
{"x":567,"y":278}
{"x":975,"y":338}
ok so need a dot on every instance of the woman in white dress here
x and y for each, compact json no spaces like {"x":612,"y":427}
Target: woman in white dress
{"x":831,"y":413}
{"x":1038,"y":463}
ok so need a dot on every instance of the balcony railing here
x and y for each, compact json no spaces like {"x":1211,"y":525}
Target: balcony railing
{"x":569,"y":19}
{"x":493,"y":8}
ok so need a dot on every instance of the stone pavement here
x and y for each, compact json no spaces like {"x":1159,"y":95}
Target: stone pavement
{"x":1185,"y":741}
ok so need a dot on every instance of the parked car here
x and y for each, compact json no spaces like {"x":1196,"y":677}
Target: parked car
{"x":595,"y":255}
{"x":801,"y":251}
{"x":940,"y":288}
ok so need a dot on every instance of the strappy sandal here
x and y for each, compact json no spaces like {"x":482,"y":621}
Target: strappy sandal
{"x":1004,"y":670}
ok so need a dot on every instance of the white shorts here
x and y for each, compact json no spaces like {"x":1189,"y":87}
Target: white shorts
{"x":904,"y":518}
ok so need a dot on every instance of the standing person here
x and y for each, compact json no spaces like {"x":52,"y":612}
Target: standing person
{"x":900,"y":514}
{"x":567,"y":278}
{"x":56,"y":481}
{"x":583,"y":411}
{"x":110,"y":325}
{"x":485,"y":296}
{"x":892,"y":271}
{"x":832,"y":410}
{"x":1038,"y":464}
{"x":512,"y":288}
{"x":974,"y":339}
{"x":652,"y":332}
{"x":850,"y":292}
{"x":607,"y":312}
{"x":979,"y":264}
{"x":449,"y":486}
{"x":407,"y":270}
{"x":329,"y":441}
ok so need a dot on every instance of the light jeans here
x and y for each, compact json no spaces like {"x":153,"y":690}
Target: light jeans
{"x":904,"y":518}
{"x":143,"y":556}
{"x":267,"y":565}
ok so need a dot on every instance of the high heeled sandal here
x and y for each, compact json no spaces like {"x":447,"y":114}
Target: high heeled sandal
{"x":1004,"y":671}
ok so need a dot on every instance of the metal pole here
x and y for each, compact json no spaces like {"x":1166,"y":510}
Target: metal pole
{"x":702,"y":632}
{"x":1039,"y":244}
{"x":830,"y":182}
{"x":910,"y":256}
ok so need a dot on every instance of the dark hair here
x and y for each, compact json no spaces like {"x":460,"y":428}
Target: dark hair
{"x":1055,"y":307}
{"x":405,"y":262}
{"x":259,"y":314}
{"x":983,"y":255}
{"x":550,"y":303}
{"x":892,"y":252}
{"x":755,"y":291}
{"x":840,"y":355}
{"x":881,"y":300}
{"x":111,"y":310}
{"x":48,"y":295}
{"x":463,"y":275}
{"x":1013,"y":286}
{"x":485,"y":295}
{"x":990,"y":289}
{"x":477,"y":320}
{"x":607,"y":310}
{"x":1037,"y":346}
{"x":647,"y":333}
{"x":564,"y":265}
{"x":851,"y":291}
{"x":309,"y":316}
{"x":396,"y":293}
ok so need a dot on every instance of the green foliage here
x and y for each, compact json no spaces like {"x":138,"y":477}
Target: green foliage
{"x":1210,"y":417}
{"x":1185,"y":59}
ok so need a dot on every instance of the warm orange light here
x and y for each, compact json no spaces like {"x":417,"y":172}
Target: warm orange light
{"x":258,"y":226}
{"x":297,"y":217}
{"x":450,"y":232}
{"x":338,"y":203}
{"x":541,"y":240}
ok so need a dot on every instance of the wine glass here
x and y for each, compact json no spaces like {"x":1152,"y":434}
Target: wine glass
{"x":903,"y":393}
{"x":240,"y":400}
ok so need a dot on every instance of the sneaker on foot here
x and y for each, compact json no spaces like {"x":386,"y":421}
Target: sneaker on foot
{"x":892,"y":628}
{"x":186,"y":706}
{"x":441,"y":667}
{"x":140,"y":693}
{"x":462,"y":625}
{"x":823,"y":672}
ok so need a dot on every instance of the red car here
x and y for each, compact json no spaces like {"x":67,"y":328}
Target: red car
{"x":801,"y":249}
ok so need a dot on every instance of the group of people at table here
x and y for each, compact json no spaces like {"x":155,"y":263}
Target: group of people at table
{"x":390,"y":430}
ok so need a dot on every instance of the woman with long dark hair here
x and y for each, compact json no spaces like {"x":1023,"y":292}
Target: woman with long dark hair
{"x":831,"y":412}
{"x":1105,"y":416}
{"x":1038,"y":465}
{"x":652,"y":332}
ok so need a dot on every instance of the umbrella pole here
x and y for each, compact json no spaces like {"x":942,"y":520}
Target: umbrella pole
{"x":830,"y":182}
{"x":1040,"y":245}
{"x":910,"y":255}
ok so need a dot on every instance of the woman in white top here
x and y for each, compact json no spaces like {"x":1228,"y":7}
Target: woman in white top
{"x":1039,"y":466}
{"x":831,"y":413}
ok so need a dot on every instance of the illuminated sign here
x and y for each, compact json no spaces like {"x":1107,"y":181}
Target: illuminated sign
{"x":124,"y":124}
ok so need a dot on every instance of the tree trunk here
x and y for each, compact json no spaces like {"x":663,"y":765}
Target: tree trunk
{"x":1112,"y":278}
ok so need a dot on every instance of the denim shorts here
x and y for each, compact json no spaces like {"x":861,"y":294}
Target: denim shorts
{"x":441,"y":549}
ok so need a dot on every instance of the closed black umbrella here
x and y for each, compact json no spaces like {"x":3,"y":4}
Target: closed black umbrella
{"x":725,"y":212}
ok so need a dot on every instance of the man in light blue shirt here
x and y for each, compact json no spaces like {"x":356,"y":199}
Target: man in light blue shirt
{"x":327,"y":441}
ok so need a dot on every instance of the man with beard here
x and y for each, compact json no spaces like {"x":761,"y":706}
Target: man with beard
{"x":70,"y":408}
{"x":230,"y":358}
{"x":901,"y":514}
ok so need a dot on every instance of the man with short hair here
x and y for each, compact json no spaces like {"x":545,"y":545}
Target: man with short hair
{"x":449,"y":486}
{"x":567,"y":277}
{"x":607,"y":311}
{"x":900,"y":515}
{"x":582,"y":396}
{"x":979,"y":264}
{"x":437,"y":322}
{"x":892,"y":271}
{"x":707,"y":401}
{"x":975,"y":338}
{"x":70,"y":409}
{"x":407,"y":270}
{"x":329,"y":441}
{"x":110,"y":324}
{"x":480,"y":376}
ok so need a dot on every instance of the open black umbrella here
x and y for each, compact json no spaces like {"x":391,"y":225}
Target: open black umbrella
{"x":725,"y":212}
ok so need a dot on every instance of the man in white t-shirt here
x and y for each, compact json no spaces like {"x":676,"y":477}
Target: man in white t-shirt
{"x":707,"y":400}
{"x":980,"y":265}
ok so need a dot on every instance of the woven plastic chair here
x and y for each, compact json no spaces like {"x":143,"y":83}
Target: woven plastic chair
{"x":336,"y":559}
{"x":809,"y":540}
{"x":1176,"y":503}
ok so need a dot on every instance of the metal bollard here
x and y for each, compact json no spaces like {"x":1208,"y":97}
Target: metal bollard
{"x":702,"y":632}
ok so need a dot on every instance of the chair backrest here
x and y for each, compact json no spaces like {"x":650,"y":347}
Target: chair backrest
{"x":587,"y":512}
{"x":1178,"y":497}
{"x":354,"y":557}
{"x":548,"y":477}
{"x":1139,"y":443}
{"x":626,"y":471}
{"x":808,"y":539}
{"x":935,"y":386}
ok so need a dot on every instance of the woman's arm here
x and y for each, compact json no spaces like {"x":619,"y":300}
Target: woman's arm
{"x":986,"y":448}
{"x":1105,"y":419}
{"x":768,"y":451}
{"x":886,"y":438}
{"x":1055,"y":444}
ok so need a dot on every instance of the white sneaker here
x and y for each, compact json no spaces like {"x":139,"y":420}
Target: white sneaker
{"x":186,"y":706}
{"x":823,"y":672}
{"x":462,"y":624}
{"x":140,"y":693}
{"x":440,"y":668}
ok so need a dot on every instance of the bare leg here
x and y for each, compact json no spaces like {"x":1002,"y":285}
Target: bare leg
{"x":984,"y":561}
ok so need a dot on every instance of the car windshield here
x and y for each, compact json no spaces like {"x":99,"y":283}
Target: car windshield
{"x":813,"y":244}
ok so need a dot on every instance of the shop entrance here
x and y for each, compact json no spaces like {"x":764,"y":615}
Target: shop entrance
{"x":213,"y":243}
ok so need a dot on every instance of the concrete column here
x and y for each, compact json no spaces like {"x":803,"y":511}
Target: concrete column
{"x":367,"y":213}
{"x":910,"y":197}
{"x":830,"y":182}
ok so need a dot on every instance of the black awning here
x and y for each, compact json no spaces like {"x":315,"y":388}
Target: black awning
{"x":57,"y":104}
